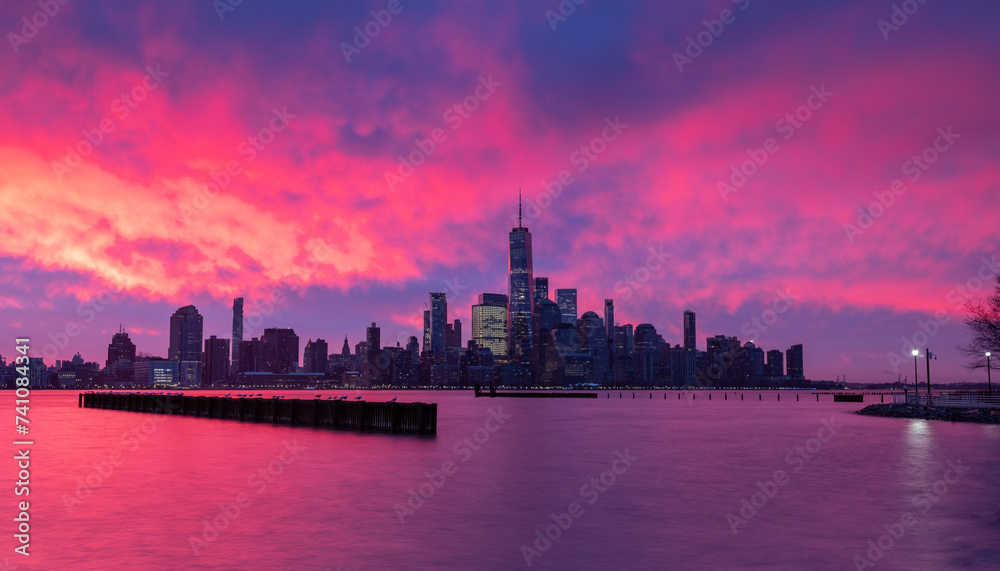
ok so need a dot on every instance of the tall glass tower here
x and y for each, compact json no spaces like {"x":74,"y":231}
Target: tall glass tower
{"x":438,"y":322}
{"x":690,"y":342}
{"x":237,"y":332}
{"x":185,"y":344}
{"x":520,"y":291}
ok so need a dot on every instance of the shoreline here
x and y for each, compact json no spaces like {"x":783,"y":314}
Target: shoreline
{"x":953,"y":414}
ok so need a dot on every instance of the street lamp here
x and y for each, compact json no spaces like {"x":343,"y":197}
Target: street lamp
{"x":928,"y":358}
{"x":916,"y":388}
{"x":989,"y":384}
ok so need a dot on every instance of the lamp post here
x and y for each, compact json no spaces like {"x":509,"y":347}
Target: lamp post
{"x":916,"y":388}
{"x":927,"y":358}
{"x":989,"y":384}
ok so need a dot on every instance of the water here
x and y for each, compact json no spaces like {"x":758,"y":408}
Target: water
{"x":328,"y":502}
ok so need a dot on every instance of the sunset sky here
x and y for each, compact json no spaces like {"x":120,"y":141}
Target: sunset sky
{"x":311,"y":116}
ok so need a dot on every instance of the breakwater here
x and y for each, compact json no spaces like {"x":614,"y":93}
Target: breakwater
{"x":952,"y":414}
{"x":384,"y":417}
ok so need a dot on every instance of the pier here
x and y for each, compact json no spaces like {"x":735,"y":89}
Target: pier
{"x":382,"y":417}
{"x":493,"y":393}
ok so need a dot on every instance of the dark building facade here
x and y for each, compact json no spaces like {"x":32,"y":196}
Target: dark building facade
{"x":520,"y":293}
{"x":185,"y":344}
{"x":237,"y":333}
{"x":793,"y":358}
{"x":216,"y":362}
{"x":315,"y":356}
{"x":280,"y":350}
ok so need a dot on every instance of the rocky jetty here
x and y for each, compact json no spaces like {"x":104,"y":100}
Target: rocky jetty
{"x":982,"y":415}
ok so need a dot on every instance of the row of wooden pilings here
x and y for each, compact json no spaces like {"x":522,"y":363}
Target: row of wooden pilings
{"x":760,"y":396}
{"x":385,"y":417}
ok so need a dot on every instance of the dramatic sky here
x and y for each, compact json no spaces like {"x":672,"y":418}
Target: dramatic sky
{"x":310,"y":113}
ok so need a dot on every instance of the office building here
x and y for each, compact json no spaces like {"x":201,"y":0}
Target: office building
{"x":120,"y":348}
{"x":775,"y":363}
{"x":280,"y":350}
{"x":237,"y":333}
{"x":489,"y":324}
{"x":185,"y":345}
{"x":439,"y":322}
{"x":541,"y":289}
{"x":216,"y":362}
{"x":609,"y":319}
{"x":315,"y":356}
{"x":374,"y":370}
{"x":689,"y":331}
{"x":793,"y":359}
{"x":566,"y":298}
{"x":520,"y":292}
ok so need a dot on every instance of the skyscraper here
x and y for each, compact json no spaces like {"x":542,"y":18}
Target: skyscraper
{"x":427,"y":330}
{"x":648,"y":355}
{"x":775,"y":363}
{"x":185,"y":344}
{"x":541,"y":290}
{"x":315,"y":356}
{"x":373,"y":357}
{"x":121,"y":357}
{"x":280,"y":349}
{"x":689,"y":331}
{"x":594,"y":338}
{"x":121,"y":347}
{"x":793,"y":360}
{"x":456,"y":334}
{"x":439,"y":322}
{"x":520,"y":291}
{"x":237,"y":332}
{"x":489,"y":323}
{"x":566,"y":298}
{"x":216,"y":363}
{"x":609,"y":319}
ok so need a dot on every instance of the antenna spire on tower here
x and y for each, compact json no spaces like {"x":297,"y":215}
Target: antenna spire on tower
{"x":519,"y":208}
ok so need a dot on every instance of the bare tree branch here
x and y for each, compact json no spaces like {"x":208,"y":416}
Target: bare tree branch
{"x":984,"y":324}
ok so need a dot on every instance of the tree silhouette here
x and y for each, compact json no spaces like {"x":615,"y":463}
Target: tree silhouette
{"x":984,"y":322}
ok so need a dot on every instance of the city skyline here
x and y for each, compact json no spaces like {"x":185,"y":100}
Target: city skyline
{"x":550,"y":345}
{"x":439,"y":329}
{"x":651,"y":174}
